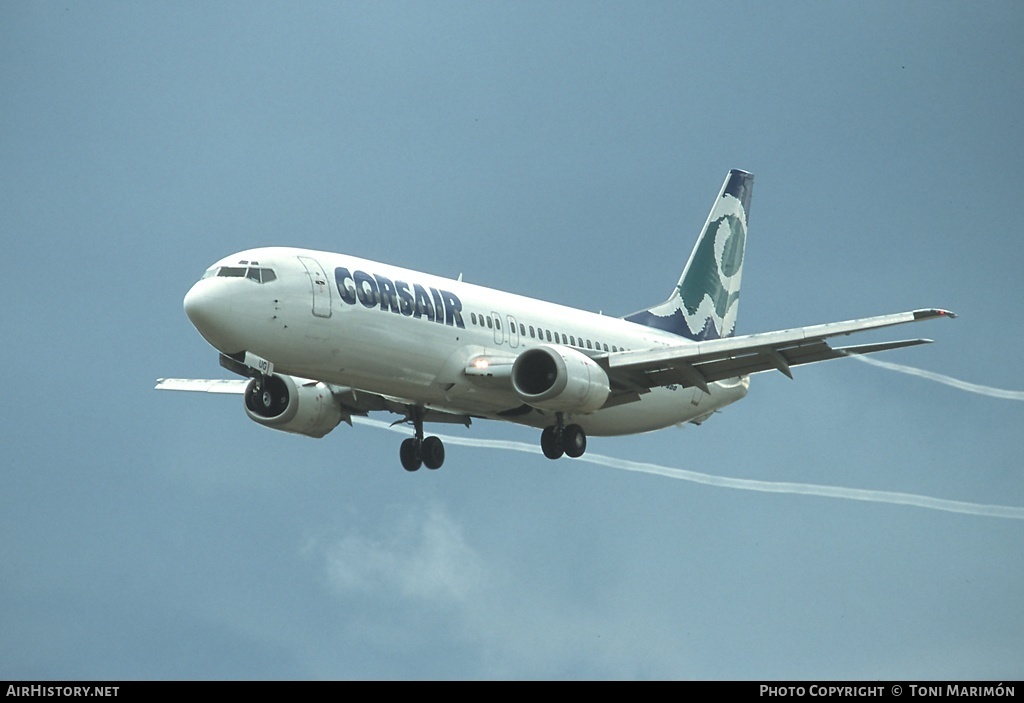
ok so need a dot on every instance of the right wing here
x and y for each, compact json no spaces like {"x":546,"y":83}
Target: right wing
{"x":700,"y":363}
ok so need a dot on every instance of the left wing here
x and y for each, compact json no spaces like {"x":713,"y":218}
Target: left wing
{"x":351,"y":401}
{"x":700,"y":363}
{"x":202,"y":385}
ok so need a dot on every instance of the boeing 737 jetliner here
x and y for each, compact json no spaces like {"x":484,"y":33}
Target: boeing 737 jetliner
{"x":322,"y":337}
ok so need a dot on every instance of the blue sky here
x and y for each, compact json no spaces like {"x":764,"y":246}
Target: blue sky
{"x":568,"y":151}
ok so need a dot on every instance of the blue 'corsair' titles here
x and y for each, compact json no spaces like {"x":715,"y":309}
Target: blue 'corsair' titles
{"x":411,"y":300}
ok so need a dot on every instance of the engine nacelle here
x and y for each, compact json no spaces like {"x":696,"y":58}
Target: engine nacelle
{"x":553,"y":377}
{"x":279,"y":402}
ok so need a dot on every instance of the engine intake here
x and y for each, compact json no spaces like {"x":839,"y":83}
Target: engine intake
{"x":554,"y":377}
{"x":280,"y":403}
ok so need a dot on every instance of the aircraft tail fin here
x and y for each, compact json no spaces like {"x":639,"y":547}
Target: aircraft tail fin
{"x":704,"y":303}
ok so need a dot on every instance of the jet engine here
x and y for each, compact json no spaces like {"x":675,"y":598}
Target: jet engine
{"x":553,"y":377}
{"x":301,"y":408}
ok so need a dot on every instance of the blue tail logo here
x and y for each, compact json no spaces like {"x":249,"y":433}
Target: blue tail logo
{"x":705,"y":301}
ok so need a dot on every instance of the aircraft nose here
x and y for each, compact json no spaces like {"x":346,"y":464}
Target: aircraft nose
{"x":213,"y":306}
{"x":204,"y":308}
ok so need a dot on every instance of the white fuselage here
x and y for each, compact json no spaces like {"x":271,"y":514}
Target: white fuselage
{"x":409,"y":336}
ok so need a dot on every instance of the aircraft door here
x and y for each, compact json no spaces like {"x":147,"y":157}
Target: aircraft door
{"x":513,"y":332}
{"x":318,"y":281}
{"x":498,"y":334}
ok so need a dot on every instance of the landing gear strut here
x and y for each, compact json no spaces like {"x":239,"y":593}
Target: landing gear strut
{"x":560,"y":439}
{"x":417,"y":451}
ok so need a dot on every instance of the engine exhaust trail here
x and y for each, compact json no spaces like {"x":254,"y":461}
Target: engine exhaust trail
{"x":742,"y":484}
{"x":940,"y":378}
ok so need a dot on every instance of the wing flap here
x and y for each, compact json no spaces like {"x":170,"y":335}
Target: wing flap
{"x":763,"y":361}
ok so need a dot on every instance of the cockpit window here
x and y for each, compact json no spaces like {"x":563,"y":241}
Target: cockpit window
{"x":261,"y":275}
{"x":253,"y":273}
{"x":231,"y":271}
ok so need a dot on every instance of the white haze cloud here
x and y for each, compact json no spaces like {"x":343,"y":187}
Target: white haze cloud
{"x":423,"y":558}
{"x":427,"y":567}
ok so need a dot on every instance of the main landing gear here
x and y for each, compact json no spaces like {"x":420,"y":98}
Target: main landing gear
{"x":560,"y":439}
{"x":418,"y":450}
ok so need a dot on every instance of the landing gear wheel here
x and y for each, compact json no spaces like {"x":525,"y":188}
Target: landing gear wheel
{"x":410,"y":453}
{"x":432,"y":451}
{"x":574,"y":441}
{"x":551,"y":443}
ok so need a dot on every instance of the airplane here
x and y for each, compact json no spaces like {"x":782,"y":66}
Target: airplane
{"x":322,"y":337}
